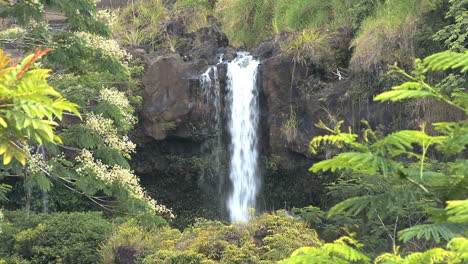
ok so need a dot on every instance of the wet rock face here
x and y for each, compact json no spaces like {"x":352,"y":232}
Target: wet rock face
{"x":297,"y":96}
{"x":173,"y":105}
{"x":171,"y":95}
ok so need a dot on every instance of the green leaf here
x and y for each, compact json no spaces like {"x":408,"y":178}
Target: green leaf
{"x":434,"y":231}
{"x":397,"y":95}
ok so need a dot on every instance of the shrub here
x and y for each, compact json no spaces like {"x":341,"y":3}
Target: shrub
{"x":171,"y":257}
{"x":307,"y":46}
{"x":133,"y":241}
{"x":68,"y":237}
{"x":266,"y":239}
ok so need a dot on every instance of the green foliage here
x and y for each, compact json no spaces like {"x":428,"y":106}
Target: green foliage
{"x":266,"y":239}
{"x":70,"y":238}
{"x":382,"y":156}
{"x":388,"y":35}
{"x":141,"y":23}
{"x":455,"y":253}
{"x":342,"y":250}
{"x":306,"y":46}
{"x":28,"y":106}
{"x":194,"y":14}
{"x":131,"y":236}
{"x":302,"y":14}
{"x":289,"y":128}
{"x":346,"y":250}
{"x":455,"y":36}
{"x":247,"y":22}
{"x":12,"y":33}
{"x":80,"y":14}
{"x":4,"y":189}
{"x":78,"y":52}
{"x":434,"y":232}
{"x":93,"y":158}
{"x":361,"y":10}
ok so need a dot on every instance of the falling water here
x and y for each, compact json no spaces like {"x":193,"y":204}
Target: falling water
{"x":242,"y":124}
{"x":211,"y":93}
{"x":211,"y":99}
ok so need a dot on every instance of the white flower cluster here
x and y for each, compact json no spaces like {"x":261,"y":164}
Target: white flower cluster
{"x":34,"y":3}
{"x":35,"y":162}
{"x":109,"y":47}
{"x":105,"y":128}
{"x":115,"y":97}
{"x":119,"y":99}
{"x":12,"y":33}
{"x":117,"y":174}
{"x":107,"y":17}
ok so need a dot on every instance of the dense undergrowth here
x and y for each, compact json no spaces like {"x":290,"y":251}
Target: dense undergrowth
{"x":403,"y":192}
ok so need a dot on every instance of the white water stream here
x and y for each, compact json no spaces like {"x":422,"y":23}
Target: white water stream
{"x":242,"y":124}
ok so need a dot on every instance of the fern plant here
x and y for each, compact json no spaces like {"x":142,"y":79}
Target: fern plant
{"x":456,"y":252}
{"x":385,"y":156}
{"x":346,"y":251}
{"x":343,"y":250}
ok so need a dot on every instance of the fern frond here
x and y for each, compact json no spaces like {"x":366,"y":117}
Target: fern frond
{"x":62,"y":169}
{"x":4,"y":189}
{"x":435,"y":255}
{"x":108,"y":110}
{"x":83,"y":137}
{"x":340,"y":251}
{"x":456,"y":136}
{"x":434,"y":231}
{"x":399,"y":142}
{"x":344,"y":251}
{"x":41,"y":181}
{"x":111,"y":156}
{"x":398,"y":95}
{"x":389,"y":258}
{"x":457,"y":211}
{"x":356,"y":161}
{"x":338,"y":140}
{"x":381,"y":203}
{"x":460,"y":246}
{"x":447,"y":60}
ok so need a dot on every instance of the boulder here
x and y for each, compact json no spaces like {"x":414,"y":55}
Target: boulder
{"x":170,"y":96}
{"x":173,"y":106}
{"x":174,"y":28}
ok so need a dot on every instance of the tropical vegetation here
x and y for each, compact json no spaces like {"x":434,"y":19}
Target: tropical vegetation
{"x":70,"y":100}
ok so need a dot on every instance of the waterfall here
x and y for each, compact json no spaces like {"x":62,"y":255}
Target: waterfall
{"x":211,"y":99}
{"x":241,"y":106}
{"x":242,"y":125}
{"x":211,"y":93}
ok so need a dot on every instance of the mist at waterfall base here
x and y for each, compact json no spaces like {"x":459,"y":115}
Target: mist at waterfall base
{"x":242,"y":111}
